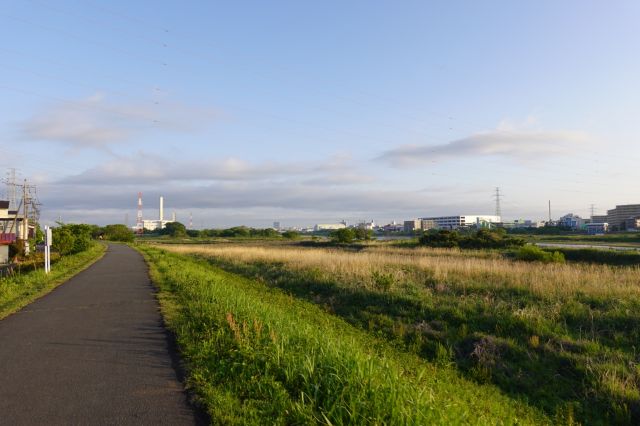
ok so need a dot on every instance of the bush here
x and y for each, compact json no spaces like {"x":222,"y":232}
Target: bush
{"x":174,"y":229}
{"x":71,"y":239}
{"x":531,"y":253}
{"x":442,"y":238}
{"x":343,"y":236}
{"x":118,"y":233}
{"x":291,"y":235}
{"x":481,"y":239}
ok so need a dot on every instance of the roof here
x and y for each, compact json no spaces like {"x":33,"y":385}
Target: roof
{"x":4,"y":205}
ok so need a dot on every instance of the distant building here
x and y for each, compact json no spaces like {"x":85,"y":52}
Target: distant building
{"x":617,"y":217}
{"x":454,"y":222}
{"x":599,"y":219}
{"x":157,"y":224}
{"x":276,"y":226}
{"x":412,"y":225}
{"x":392,"y":227}
{"x":572,"y":221}
{"x":522,"y":224}
{"x":367,"y":225}
{"x":596,"y":228}
{"x":329,"y":226}
{"x":632,"y":224}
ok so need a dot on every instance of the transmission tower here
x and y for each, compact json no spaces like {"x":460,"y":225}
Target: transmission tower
{"x":592,"y":208}
{"x":498,"y":196}
{"x":12,"y":194}
{"x":139,"y":223}
{"x":190,"y":220}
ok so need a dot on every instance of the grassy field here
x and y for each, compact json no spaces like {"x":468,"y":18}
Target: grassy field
{"x":562,"y":337}
{"x":258,"y":355}
{"x":23,"y":288}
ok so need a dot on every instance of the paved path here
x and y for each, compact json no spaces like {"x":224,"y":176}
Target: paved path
{"x":93,"y":351}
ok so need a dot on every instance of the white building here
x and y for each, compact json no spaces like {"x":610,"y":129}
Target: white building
{"x":572,"y":221}
{"x":329,"y":226}
{"x":157,"y":224}
{"x":453,"y":222}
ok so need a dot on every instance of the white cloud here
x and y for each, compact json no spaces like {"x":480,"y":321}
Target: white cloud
{"x":97,"y":123}
{"x":507,"y":141}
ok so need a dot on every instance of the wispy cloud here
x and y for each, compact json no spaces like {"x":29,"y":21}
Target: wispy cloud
{"x":97,"y":123}
{"x":504,"y":142}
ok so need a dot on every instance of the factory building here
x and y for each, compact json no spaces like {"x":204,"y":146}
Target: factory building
{"x":454,"y":222}
{"x":329,"y":226}
{"x":160,"y":223}
{"x":617,"y":217}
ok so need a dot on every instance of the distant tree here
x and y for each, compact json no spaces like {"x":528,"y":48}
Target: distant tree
{"x":363,"y":234}
{"x":193,"y":233}
{"x":440,"y":238}
{"x":118,"y":233}
{"x":291,"y":235}
{"x":343,"y":236}
{"x":174,"y":229}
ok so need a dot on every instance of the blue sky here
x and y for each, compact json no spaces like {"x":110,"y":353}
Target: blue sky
{"x":250,"y":112}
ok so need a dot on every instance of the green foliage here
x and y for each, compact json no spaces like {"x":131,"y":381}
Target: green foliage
{"x":573,"y":356}
{"x":363,"y":234}
{"x":256,"y":355}
{"x":118,"y":233}
{"x":343,"y":236}
{"x":532,"y":253}
{"x":193,"y":233}
{"x":291,"y":235}
{"x":71,"y":238}
{"x":174,"y":229}
{"x":602,"y":256}
{"x":442,"y":238}
{"x":481,"y":239}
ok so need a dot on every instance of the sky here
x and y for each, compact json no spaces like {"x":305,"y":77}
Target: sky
{"x":250,"y":112}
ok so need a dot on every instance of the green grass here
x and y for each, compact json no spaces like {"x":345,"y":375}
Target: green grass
{"x":573,"y":356}
{"x":255,"y":355}
{"x":21,"y":289}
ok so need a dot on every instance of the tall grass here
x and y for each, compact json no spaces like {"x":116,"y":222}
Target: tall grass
{"x":563,"y":336}
{"x":450,"y":267}
{"x":256,"y":355}
{"x":23,"y":288}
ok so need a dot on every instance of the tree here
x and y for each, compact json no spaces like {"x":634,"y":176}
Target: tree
{"x":291,"y":235}
{"x":343,"y":236}
{"x":363,"y":234}
{"x":174,"y":229}
{"x":118,"y":233}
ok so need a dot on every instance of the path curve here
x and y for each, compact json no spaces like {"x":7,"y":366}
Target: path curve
{"x":93,"y":351}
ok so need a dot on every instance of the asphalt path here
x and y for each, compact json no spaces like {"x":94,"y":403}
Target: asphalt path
{"x":93,"y":351}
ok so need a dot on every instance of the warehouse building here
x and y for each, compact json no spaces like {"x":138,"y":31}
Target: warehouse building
{"x":617,"y":217}
{"x":454,"y":222}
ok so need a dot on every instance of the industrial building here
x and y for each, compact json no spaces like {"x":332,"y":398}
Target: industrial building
{"x":454,"y":222}
{"x":418,"y":225}
{"x":617,"y":217}
{"x":572,"y":221}
{"x":329,"y":226}
{"x":156,"y":224}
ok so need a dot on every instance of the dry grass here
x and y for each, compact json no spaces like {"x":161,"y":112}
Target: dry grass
{"x":447,"y":267}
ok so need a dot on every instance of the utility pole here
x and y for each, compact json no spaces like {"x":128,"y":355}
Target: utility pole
{"x":498,"y":196}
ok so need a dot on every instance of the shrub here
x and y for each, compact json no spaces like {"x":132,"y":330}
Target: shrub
{"x":291,"y":235}
{"x":531,"y":253}
{"x":118,"y":233}
{"x":343,"y":236}
{"x":442,"y":238}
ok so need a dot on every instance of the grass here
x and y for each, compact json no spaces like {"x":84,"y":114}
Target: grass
{"x":563,"y":337}
{"x":23,"y":288}
{"x":256,"y":355}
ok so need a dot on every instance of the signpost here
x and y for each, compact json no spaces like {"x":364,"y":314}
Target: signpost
{"x":48,"y":237}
